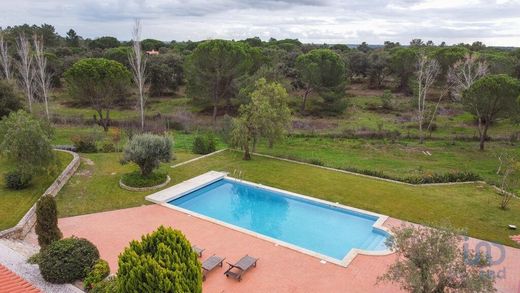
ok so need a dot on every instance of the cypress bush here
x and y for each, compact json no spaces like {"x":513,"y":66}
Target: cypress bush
{"x":98,"y":273}
{"x":162,"y":261}
{"x":67,"y":260}
{"x":47,"y":221}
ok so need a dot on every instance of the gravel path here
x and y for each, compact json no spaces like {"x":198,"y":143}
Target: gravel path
{"x":13,"y":255}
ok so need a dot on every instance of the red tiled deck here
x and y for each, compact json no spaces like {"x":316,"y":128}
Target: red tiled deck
{"x":279,"y":269}
{"x":11,"y":283}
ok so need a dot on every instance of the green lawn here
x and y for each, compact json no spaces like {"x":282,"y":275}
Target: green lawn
{"x":95,"y":189}
{"x":401,"y":159}
{"x":15,"y":203}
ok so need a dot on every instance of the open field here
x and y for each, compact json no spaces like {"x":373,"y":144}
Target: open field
{"x":95,"y":189}
{"x":15,"y":203}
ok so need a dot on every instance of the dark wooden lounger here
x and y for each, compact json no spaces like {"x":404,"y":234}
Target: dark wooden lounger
{"x":209,"y":264}
{"x":239,"y":268}
{"x":197,"y":250}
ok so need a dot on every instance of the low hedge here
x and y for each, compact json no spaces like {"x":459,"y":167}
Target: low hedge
{"x":135,"y":179}
{"x":98,"y":273}
{"x":17,"y":180}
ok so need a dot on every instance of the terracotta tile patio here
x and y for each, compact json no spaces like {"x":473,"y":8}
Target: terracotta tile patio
{"x":279,"y":269}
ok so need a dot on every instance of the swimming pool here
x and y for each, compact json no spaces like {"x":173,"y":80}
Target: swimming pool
{"x":320,"y":228}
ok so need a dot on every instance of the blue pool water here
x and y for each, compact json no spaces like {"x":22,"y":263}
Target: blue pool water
{"x":318,"y":227}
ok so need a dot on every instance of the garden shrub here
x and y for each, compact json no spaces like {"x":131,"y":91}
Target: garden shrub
{"x":148,"y":151}
{"x":98,"y":273}
{"x":85,"y":143}
{"x":108,"y":147}
{"x":47,"y":221}
{"x":135,"y":179}
{"x":316,"y":162}
{"x":162,"y":261}
{"x":204,"y":144}
{"x":443,"y":178}
{"x":108,"y":285}
{"x":67,"y":260}
{"x":17,"y":180}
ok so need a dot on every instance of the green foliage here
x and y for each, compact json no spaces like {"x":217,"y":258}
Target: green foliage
{"x":162,"y":261}
{"x":443,"y":178}
{"x":136,"y":179}
{"x":213,"y":68}
{"x":378,"y":68}
{"x":165,"y":73}
{"x":204,"y":144}
{"x":67,"y":260}
{"x":108,"y":285}
{"x":108,"y":147}
{"x":25,"y":141}
{"x":491,"y":97}
{"x":151,"y":44}
{"x":47,"y":221}
{"x":100,"y":270}
{"x":267,"y":115}
{"x":148,"y":151}
{"x":402,"y":64}
{"x":85,"y":142}
{"x":9,"y":100}
{"x":432,"y":260}
{"x":119,"y":54}
{"x":323,"y":71}
{"x":72,"y":38}
{"x":17,"y":180}
{"x":386,"y":100}
{"x":100,"y":83}
{"x":104,"y":43}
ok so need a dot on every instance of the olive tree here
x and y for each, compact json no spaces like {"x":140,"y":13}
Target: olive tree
{"x":489,"y":98}
{"x":162,"y":261}
{"x":432,"y":260}
{"x":266,"y":115}
{"x":26,"y":142}
{"x":213,"y":69}
{"x":148,"y":151}
{"x":99,"y":82}
{"x":322,"y":71}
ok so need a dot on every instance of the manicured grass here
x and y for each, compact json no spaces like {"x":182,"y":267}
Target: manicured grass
{"x":95,"y":186}
{"x":98,"y":191}
{"x":400,"y":159}
{"x":15,"y":203}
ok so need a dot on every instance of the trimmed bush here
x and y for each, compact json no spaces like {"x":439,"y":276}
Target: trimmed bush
{"x":108,"y":147}
{"x":98,"y":273}
{"x":443,"y":178}
{"x":204,"y":144}
{"x":135,"y":179}
{"x":47,"y":221}
{"x":67,"y":260}
{"x":148,"y":151}
{"x":108,"y":285}
{"x":17,"y":180}
{"x":162,"y":261}
{"x":85,"y":143}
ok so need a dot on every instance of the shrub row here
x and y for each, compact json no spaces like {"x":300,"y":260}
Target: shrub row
{"x":88,"y":143}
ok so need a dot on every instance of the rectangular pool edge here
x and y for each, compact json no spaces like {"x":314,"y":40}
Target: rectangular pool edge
{"x":381,"y":219}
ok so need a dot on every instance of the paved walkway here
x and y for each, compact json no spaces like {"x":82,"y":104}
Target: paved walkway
{"x":14,"y":254}
{"x":279,"y":269}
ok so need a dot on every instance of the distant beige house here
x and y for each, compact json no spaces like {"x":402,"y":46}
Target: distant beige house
{"x":153,"y":52}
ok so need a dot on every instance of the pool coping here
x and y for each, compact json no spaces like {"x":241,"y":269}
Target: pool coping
{"x":347,"y":259}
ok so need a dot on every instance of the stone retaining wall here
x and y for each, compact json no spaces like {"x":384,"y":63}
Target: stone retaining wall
{"x":29,"y":219}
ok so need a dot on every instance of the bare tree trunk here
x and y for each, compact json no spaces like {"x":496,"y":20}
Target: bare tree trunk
{"x":426,"y":74}
{"x":483,"y":134}
{"x":25,"y":68}
{"x":5,"y":59}
{"x":43,"y":77}
{"x":247,"y":154}
{"x":138,"y":63}
{"x":304,"y":100}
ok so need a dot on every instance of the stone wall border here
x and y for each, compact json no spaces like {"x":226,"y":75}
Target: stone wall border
{"x":20,"y":230}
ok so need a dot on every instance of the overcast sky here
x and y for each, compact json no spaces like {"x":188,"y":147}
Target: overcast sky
{"x":495,"y":22}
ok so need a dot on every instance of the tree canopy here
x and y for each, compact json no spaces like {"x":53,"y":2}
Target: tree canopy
{"x":489,"y":98}
{"x":320,"y":70}
{"x":100,"y":83}
{"x":213,"y":69}
{"x":148,"y":151}
{"x":9,"y":100}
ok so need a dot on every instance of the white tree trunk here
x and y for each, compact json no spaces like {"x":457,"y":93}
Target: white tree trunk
{"x":5,"y":59}
{"x":138,"y":63}
{"x":25,"y":67}
{"x":427,"y":71}
{"x":43,"y":77}
{"x":465,"y":72}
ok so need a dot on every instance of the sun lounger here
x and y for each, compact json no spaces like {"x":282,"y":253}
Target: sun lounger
{"x":209,"y":264}
{"x":197,"y":250}
{"x":239,"y":268}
